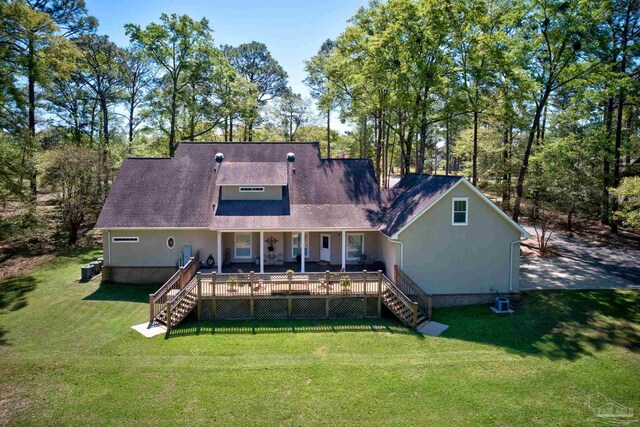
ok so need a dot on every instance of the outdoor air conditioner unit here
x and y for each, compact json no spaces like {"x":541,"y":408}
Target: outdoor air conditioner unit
{"x":502,"y":305}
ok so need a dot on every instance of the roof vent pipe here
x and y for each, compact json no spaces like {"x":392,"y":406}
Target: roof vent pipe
{"x":291,"y":158}
{"x":219,"y":157}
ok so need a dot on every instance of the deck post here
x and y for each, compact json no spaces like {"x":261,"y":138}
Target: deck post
{"x":199,"y":292}
{"x":327,"y":306}
{"x":251,"y":282}
{"x":213,"y":293}
{"x":344,"y":250}
{"x":262,"y":252}
{"x":152,"y":313}
{"x":379,"y":293}
{"x":395,"y":274}
{"x":289,"y":308}
{"x":364,"y":291}
{"x":181,"y":281}
{"x":415,"y":314}
{"x":327,"y":277}
{"x":168,"y":306}
{"x":303,"y":245}
{"x":219,"y":250}
{"x":429,"y":305}
{"x":364,"y":282}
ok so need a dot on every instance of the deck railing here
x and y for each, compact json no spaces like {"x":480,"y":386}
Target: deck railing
{"x":413,"y":291}
{"x":172,"y":286}
{"x":233,"y":285}
{"x":251,"y":295}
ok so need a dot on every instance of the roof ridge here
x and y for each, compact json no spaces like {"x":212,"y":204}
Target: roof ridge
{"x":149,"y":158}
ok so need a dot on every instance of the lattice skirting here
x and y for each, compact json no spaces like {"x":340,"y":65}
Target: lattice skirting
{"x":271,"y":309}
{"x":298,"y":308}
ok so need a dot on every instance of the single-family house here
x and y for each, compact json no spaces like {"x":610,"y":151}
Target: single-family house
{"x":272,"y":207}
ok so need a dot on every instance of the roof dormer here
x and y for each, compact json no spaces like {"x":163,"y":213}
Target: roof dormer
{"x":252,"y":180}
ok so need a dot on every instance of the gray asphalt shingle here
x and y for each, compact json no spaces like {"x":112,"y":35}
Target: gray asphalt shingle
{"x":322,"y":193}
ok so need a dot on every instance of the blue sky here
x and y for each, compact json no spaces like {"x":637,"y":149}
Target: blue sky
{"x":292,"y":30}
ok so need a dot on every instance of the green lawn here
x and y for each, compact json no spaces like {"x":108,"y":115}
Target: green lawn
{"x":69,"y":357}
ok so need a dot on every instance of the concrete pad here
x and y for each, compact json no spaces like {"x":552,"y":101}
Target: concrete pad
{"x":432,"y":328}
{"x":150,"y":330}
{"x":495,"y":310}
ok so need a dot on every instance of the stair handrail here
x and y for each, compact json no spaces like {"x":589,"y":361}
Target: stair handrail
{"x":182,"y":276}
{"x":409,"y":287}
{"x":177,"y":299}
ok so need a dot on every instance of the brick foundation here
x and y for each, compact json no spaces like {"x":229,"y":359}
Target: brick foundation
{"x":454,"y":300}
{"x":142,"y":275}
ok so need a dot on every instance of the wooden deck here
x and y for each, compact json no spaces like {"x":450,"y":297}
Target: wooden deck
{"x":243,"y":285}
{"x":235,"y":296}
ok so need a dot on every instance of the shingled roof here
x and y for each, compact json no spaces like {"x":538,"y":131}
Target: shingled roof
{"x":256,"y":173}
{"x":184,"y":191}
{"x":412,"y":195}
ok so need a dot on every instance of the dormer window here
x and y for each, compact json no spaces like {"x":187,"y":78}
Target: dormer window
{"x":252,"y":189}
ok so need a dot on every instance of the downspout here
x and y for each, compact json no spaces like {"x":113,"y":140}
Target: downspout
{"x":109,"y":244}
{"x":398,"y":242}
{"x":511,"y":264}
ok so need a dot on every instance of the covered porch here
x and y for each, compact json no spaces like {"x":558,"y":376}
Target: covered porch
{"x":310,"y":267}
{"x":271,"y":251}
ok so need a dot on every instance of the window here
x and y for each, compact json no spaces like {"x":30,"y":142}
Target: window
{"x":459,"y":210}
{"x":125,"y":240}
{"x":243,"y":245}
{"x":295,"y":245}
{"x":355,"y":246}
{"x":171,"y":242}
{"x":252,"y":189}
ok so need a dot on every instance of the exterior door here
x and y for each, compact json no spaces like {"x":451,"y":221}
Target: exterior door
{"x":325,"y":247}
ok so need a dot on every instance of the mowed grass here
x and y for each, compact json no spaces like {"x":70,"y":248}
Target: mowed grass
{"x":69,"y":356}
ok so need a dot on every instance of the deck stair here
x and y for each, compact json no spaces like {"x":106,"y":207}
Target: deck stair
{"x":402,"y":306}
{"x":180,"y":305}
{"x":177,"y":296}
{"x":185,"y":291}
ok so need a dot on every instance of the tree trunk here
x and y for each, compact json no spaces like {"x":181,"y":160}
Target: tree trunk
{"x":422,"y":143}
{"x":31,"y":65}
{"x":527,"y":153}
{"x":474,"y":178}
{"x":172,"y":130}
{"x":249,"y":131}
{"x":230,"y":128}
{"x":131,"y":117}
{"x":378,"y":153}
{"x":506,"y":184}
{"x":606,"y":168}
{"x":617,"y":155}
{"x":447,"y":143}
{"x":621,"y":100}
{"x":329,"y":133}
{"x":105,"y":147}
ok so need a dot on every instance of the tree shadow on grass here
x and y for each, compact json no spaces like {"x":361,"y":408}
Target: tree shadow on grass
{"x":3,"y":341}
{"x":259,"y":327}
{"x":553,"y":324}
{"x":13,"y":292}
{"x":122,"y":292}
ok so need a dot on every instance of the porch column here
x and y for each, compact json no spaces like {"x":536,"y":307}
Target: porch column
{"x":302,"y":246}
{"x":262,"y":252}
{"x":344,"y":250}
{"x":219,"y":235}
